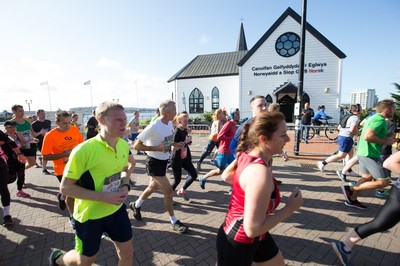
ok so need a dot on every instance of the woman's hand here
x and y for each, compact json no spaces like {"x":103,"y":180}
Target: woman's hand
{"x":295,"y":200}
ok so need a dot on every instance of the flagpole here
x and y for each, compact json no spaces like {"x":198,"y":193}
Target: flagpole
{"x":48,"y":90}
{"x":91,"y":96}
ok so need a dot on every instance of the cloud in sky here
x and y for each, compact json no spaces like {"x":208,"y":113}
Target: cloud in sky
{"x":204,"y":39}
{"x":109,"y":80}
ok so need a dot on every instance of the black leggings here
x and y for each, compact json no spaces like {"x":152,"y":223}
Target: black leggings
{"x":177,"y":166}
{"x":388,"y":216}
{"x":4,"y":192}
{"x":210,"y":146}
{"x":17,"y":168}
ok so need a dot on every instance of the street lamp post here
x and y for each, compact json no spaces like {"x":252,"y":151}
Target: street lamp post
{"x":28,"y":102}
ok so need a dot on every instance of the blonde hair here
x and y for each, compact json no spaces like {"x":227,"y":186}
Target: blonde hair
{"x":179,"y":117}
{"x":274,"y":107}
{"x":216,"y":114}
{"x":104,"y":108}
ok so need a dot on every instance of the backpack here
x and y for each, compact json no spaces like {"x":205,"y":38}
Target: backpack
{"x":343,"y":122}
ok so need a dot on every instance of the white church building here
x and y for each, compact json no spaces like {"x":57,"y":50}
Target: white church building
{"x":270,"y":68}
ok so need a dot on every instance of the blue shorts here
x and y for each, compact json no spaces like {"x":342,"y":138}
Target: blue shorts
{"x":345,"y":143}
{"x":88,"y":234}
{"x":223,"y":160}
{"x":133,"y":136}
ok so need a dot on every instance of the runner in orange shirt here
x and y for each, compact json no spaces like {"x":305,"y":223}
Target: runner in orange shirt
{"x":57,"y":145}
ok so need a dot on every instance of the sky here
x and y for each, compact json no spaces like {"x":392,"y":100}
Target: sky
{"x":129,"y":49}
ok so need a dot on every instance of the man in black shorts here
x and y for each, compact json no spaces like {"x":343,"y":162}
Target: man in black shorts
{"x":156,"y":140}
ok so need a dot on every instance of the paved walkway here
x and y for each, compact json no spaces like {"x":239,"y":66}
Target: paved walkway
{"x":304,"y":238}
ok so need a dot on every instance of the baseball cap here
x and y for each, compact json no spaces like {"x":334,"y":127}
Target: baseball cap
{"x":10,"y":123}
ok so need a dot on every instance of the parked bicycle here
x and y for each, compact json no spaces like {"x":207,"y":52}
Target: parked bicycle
{"x":330,"y":129}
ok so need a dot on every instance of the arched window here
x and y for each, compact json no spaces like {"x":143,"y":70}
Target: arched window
{"x":215,"y":98}
{"x":196,"y":102}
{"x":268,"y":98}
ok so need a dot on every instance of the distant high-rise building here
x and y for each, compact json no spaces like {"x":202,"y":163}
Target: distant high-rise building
{"x":366,"y":98}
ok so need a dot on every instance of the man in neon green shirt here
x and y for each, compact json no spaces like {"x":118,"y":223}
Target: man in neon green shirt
{"x":373,"y":136}
{"x":97,"y":176}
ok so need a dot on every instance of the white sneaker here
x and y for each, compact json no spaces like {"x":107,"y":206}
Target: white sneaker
{"x":321,"y":166}
{"x":317,"y":136}
{"x":351,"y":173}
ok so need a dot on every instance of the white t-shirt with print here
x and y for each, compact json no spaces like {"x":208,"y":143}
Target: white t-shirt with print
{"x":154,"y":134}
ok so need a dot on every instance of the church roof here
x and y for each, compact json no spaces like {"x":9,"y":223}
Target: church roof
{"x":241,"y":45}
{"x":211,"y":65}
{"x":309,"y":29}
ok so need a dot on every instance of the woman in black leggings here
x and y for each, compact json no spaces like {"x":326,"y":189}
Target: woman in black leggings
{"x":388,"y":216}
{"x":182,"y":158}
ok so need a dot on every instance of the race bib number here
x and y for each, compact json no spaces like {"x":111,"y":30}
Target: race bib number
{"x":112,"y":183}
{"x":184,"y":152}
{"x":168,"y":141}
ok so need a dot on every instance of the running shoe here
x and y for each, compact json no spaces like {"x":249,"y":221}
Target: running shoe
{"x":55,"y":254}
{"x":7,"y":221}
{"x":341,"y":176}
{"x":182,"y":193}
{"x":61,"y":202}
{"x":202,"y":182}
{"x":24,"y":185}
{"x":198,"y":168}
{"x":136,"y":211}
{"x":382,"y":194}
{"x":352,"y":173}
{"x":21,"y":193}
{"x":344,"y":256}
{"x":45,"y":172}
{"x":321,"y":166}
{"x":347,"y":192}
{"x":180,"y":227}
{"x":355,"y":204}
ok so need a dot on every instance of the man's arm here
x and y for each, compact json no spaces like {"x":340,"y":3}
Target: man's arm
{"x":139,"y":146}
{"x":52,"y":157}
{"x":371,"y":136}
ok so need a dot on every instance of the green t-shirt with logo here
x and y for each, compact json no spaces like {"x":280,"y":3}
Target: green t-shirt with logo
{"x":96,"y":166}
{"x":368,"y":149}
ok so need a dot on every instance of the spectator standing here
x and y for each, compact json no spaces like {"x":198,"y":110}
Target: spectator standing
{"x":306,"y":115}
{"x":97,"y":177}
{"x":40,"y":127}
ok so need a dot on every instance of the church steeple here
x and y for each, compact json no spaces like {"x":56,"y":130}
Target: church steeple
{"x":241,"y":44}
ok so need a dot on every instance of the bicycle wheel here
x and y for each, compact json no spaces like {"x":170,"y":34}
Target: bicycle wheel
{"x":311,"y":133}
{"x":331,"y":133}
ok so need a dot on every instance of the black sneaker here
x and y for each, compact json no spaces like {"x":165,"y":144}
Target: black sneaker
{"x":45,"y":172}
{"x":55,"y":254}
{"x":61,"y":202}
{"x":180,"y":227}
{"x":355,"y":204}
{"x":136,"y":211}
{"x":7,"y":221}
{"x":347,"y":192}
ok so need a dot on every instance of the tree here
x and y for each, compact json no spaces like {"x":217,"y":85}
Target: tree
{"x":395,"y":96}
